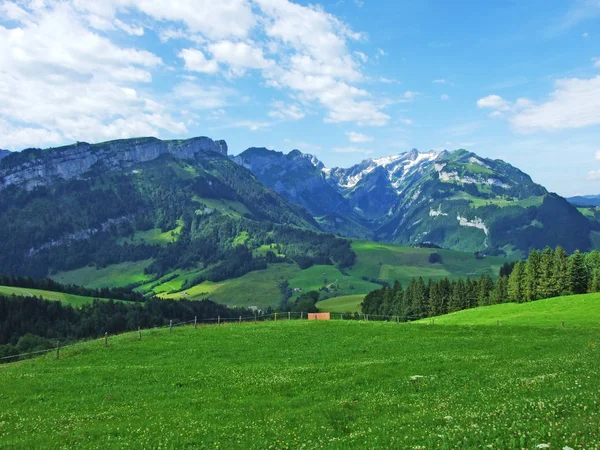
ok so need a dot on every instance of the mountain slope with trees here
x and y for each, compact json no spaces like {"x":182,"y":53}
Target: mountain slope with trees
{"x":455,"y":200}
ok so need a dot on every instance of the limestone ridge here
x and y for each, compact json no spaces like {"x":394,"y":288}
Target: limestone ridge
{"x":35,"y":167}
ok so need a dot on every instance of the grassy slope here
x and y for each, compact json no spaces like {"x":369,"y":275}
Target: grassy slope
{"x":116,"y":275}
{"x":68,"y":299}
{"x":574,"y":310}
{"x":348,"y":303}
{"x":310,"y":385}
{"x":259,"y":288}
{"x":392,"y":262}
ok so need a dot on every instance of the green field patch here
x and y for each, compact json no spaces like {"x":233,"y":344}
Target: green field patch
{"x":227,"y":207}
{"x":258,"y":288}
{"x":388,"y":262}
{"x":241,"y":239}
{"x":574,"y":310}
{"x":478,"y":202}
{"x":154,"y":236}
{"x":263,"y":249}
{"x":115,"y":275}
{"x":330,"y":282}
{"x":405,"y":273}
{"x":345,"y":304}
{"x":67,"y":299}
{"x":171,"y":282}
{"x":310,"y":384}
{"x":587,"y":212}
{"x":478,"y":168}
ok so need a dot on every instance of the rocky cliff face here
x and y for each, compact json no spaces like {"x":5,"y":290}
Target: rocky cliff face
{"x":296,"y":176}
{"x":35,"y":167}
{"x":4,"y":153}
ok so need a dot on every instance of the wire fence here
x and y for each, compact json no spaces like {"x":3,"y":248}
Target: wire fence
{"x":272,"y":317}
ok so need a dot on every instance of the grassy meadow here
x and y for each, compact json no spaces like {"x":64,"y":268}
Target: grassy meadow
{"x":304,"y":384}
{"x":67,"y":299}
{"x":574,"y":310}
{"x":345,"y":304}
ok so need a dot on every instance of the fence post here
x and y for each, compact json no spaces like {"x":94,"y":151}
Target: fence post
{"x":106,"y":339}
{"x":255,"y":314}
{"x":397,"y":319}
{"x":497,"y":322}
{"x":340,"y":316}
{"x":275,"y":317}
{"x":195,"y":322}
{"x":139,"y":334}
{"x":563,"y":323}
{"x":301,"y":313}
{"x":240,"y":319}
{"x":171,"y":326}
{"x":364,"y":317}
{"x":289,"y":315}
{"x":219,"y":320}
{"x":57,"y":349}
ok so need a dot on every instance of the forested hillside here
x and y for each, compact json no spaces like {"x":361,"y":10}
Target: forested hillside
{"x":195,"y":211}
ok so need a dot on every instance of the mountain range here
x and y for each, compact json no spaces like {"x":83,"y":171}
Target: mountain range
{"x":585,"y":200}
{"x":129,"y":200}
{"x":454,"y":199}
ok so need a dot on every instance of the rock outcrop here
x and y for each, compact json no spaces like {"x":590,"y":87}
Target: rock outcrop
{"x":35,"y":167}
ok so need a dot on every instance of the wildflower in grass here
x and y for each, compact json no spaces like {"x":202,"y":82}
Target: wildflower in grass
{"x":543,"y":446}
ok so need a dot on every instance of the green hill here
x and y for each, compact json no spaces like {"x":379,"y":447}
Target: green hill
{"x":574,"y":310}
{"x":67,"y":299}
{"x":308,"y":385}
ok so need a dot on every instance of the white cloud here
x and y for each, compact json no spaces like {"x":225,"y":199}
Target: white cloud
{"x":585,"y":35}
{"x":593,"y":175}
{"x":215,"y":20}
{"x":380,"y":52}
{"x":596,"y":62}
{"x":493,"y":102}
{"x":406,"y":121}
{"x":440,"y":81}
{"x":284,"y":111}
{"x":444,"y":97}
{"x":239,"y":55}
{"x":575,"y":103}
{"x":62,"y":81}
{"x":63,"y":58}
{"x":357,"y":138}
{"x":352,"y":150}
{"x":597,"y":155}
{"x":196,"y":61}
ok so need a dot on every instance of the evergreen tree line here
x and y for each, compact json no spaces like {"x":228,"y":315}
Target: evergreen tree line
{"x":545,"y":274}
{"x":30,"y":323}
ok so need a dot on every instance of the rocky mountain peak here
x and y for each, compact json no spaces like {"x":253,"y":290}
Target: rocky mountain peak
{"x":35,"y":167}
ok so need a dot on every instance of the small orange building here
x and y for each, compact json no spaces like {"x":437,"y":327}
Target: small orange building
{"x":319,"y":316}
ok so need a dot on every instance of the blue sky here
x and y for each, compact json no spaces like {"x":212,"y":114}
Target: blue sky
{"x":344,"y":80}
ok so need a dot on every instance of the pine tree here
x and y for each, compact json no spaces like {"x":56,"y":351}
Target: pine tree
{"x":532,"y":276}
{"x":458,"y":296}
{"x":420,"y":299}
{"x":561,"y":262}
{"x":398,"y":301}
{"x":595,"y":283}
{"x":515,"y":283}
{"x":577,"y":275}
{"x":500,"y":294}
{"x":486,"y":286}
{"x":548,"y":283}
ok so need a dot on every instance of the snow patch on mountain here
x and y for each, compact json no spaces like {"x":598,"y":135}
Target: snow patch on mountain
{"x":475,"y":223}
{"x":437,"y":212}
